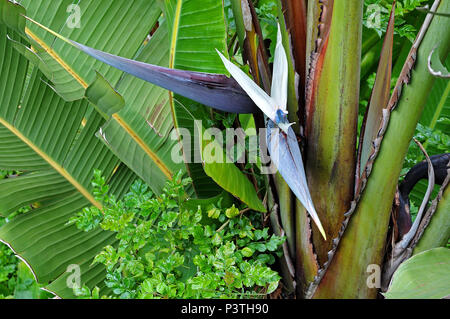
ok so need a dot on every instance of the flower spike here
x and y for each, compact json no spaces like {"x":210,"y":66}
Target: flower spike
{"x":281,"y":139}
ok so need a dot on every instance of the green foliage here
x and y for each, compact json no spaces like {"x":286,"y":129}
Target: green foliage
{"x":407,"y":19}
{"x":8,"y":262}
{"x":8,"y":267}
{"x":403,"y":10}
{"x":267,"y":13}
{"x":436,"y":142}
{"x":16,"y":279}
{"x":168,"y":251}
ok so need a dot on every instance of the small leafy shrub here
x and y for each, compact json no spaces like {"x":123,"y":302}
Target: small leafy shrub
{"x":8,"y":265}
{"x":166,"y":249}
{"x":404,"y":17}
{"x":16,"y":280}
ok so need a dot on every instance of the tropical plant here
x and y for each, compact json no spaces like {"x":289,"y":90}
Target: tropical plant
{"x":172,"y":248}
{"x":59,"y":121}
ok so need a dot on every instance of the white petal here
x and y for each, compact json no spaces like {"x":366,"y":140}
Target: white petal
{"x":280,"y":74}
{"x":285,"y":126}
{"x":261,"y":98}
{"x":286,"y":156}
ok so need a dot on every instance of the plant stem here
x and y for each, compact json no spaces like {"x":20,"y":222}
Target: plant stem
{"x":364,"y":240}
{"x":332,"y":121}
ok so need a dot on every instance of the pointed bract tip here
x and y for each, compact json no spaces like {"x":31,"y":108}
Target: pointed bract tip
{"x":220,"y":54}
{"x":322,"y":231}
{"x":316,"y":220}
{"x":258,"y":95}
{"x":279,"y":38}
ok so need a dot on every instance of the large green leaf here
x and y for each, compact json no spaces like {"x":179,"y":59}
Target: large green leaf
{"x":120,"y":29}
{"x":29,"y":188}
{"x":423,"y":276}
{"x":196,"y":30}
{"x":49,"y":126}
{"x":54,"y":142}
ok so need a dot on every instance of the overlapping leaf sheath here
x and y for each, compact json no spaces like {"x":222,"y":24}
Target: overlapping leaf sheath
{"x":371,"y":216}
{"x":332,"y":100}
{"x":378,"y":103}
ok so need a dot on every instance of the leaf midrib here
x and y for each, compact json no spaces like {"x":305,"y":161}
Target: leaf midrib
{"x":61,"y":170}
{"x":166,"y":171}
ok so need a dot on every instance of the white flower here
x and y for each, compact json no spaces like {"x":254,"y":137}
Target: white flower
{"x":288,"y":159}
{"x":270,"y":105}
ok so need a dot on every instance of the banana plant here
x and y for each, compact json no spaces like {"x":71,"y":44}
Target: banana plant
{"x":67,"y":108}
